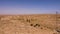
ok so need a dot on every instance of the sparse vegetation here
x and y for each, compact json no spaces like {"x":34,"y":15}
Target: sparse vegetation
{"x":28,"y":20}
{"x":31,"y":24}
{"x":40,"y":21}
{"x":36,"y":25}
{"x":33,"y":19}
{"x":41,"y":28}
{"x":58,"y":31}
{"x":58,"y":17}
{"x":54,"y":33}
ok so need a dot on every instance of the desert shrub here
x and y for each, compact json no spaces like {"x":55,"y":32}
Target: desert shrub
{"x":54,"y":33}
{"x":34,"y":20}
{"x":41,"y":28}
{"x":31,"y":24}
{"x":58,"y":17}
{"x":58,"y":31}
{"x":20,"y":19}
{"x":28,"y":20}
{"x":36,"y":25}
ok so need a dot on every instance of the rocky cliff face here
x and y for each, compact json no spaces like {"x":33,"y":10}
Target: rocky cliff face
{"x":29,"y":24}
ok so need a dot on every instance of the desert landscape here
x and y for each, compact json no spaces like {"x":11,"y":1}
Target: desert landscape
{"x":30,"y":24}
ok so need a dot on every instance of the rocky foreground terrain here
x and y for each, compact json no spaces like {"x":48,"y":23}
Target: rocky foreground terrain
{"x":30,"y":24}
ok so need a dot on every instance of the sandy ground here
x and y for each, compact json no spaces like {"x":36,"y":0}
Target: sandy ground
{"x":29,"y":24}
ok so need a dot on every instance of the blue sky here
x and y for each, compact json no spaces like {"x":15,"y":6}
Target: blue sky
{"x":29,"y":6}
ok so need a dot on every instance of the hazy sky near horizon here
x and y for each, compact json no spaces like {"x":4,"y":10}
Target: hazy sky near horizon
{"x":29,"y":6}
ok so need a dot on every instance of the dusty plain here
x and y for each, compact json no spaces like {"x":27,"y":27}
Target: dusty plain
{"x":30,"y":24}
